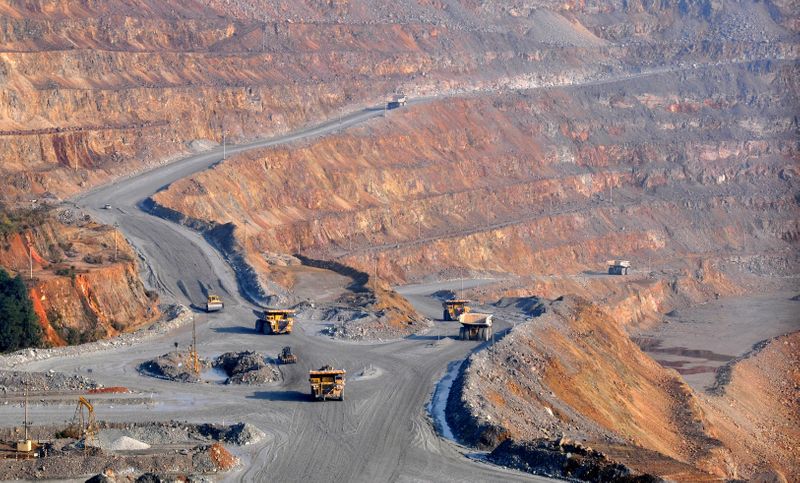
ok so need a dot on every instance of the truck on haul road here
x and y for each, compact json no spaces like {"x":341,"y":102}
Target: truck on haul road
{"x":618,"y":267}
{"x":276,"y":321}
{"x":454,"y":308}
{"x":214,"y":303}
{"x":399,"y":100}
{"x":327,"y":383}
{"x":475,"y":326}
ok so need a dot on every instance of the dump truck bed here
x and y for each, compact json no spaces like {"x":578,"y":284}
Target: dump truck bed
{"x":619,"y":263}
{"x":476,"y":319}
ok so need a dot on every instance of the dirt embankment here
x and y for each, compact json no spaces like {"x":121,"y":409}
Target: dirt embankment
{"x":756,"y":406}
{"x":573,"y":372}
{"x":535,"y":182}
{"x":85,"y":284}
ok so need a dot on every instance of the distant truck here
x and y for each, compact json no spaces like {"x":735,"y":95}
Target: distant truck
{"x":327,"y":383}
{"x":618,"y":267}
{"x":214,"y":303}
{"x":453,"y":308}
{"x":276,"y":321}
{"x":475,"y":326}
{"x":398,"y":100}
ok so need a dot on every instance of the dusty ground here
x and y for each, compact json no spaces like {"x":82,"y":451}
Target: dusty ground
{"x":696,"y":341}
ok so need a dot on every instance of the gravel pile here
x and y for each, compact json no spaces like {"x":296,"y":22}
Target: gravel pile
{"x":239,"y":434}
{"x":246,"y":368}
{"x":18,"y":381}
{"x":563,"y":459}
{"x":124,"y":443}
{"x":173,"y":366}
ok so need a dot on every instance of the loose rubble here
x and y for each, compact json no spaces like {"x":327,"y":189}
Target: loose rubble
{"x":161,"y":451}
{"x":563,"y":459}
{"x":35,"y":382}
{"x":241,"y":368}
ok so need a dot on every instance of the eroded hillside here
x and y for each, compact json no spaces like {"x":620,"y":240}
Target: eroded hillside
{"x":85,"y":283}
{"x":573,"y":374}
{"x":693,"y":171}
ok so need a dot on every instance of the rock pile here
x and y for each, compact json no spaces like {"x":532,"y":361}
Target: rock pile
{"x":174,"y":366}
{"x":246,"y":368}
{"x":565,"y":459}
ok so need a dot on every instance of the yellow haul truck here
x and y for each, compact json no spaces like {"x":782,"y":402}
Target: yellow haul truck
{"x":453,"y":308}
{"x":276,"y":321}
{"x":327,"y":383}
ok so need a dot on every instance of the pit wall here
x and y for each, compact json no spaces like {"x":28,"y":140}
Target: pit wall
{"x":79,"y":301}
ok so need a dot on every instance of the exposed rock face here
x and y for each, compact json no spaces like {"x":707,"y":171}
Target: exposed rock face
{"x":574,"y":372}
{"x":532,"y":183}
{"x":79,"y":290}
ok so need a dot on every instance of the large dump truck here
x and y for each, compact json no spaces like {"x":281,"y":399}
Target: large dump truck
{"x":618,"y":267}
{"x":327,"y":383}
{"x":454,"y":308}
{"x":475,"y":326}
{"x":276,"y":321}
{"x":214,"y":303}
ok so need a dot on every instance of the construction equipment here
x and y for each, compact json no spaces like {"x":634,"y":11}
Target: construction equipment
{"x":327,"y":383}
{"x":398,"y":100}
{"x":276,"y":321}
{"x":618,"y":267}
{"x":85,"y":426}
{"x":475,"y":326}
{"x":214,"y":303}
{"x":286,"y":356}
{"x":453,"y":308}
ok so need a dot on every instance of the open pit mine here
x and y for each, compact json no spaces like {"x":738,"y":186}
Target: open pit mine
{"x":373,"y":240}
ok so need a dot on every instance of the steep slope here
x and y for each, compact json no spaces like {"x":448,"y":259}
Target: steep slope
{"x":573,"y":373}
{"x":92,"y":90}
{"x":684,"y":169}
{"x":85,"y":283}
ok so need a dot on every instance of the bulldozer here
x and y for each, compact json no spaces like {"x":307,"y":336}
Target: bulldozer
{"x":618,"y":267}
{"x":454,"y":308}
{"x":327,"y":383}
{"x":214,"y":303}
{"x":286,"y":356}
{"x":276,"y":321}
{"x":475,"y":326}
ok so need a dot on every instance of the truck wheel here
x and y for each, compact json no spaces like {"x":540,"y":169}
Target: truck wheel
{"x":259,"y":326}
{"x":461,"y":334}
{"x":267,"y":329}
{"x":446,"y":315}
{"x":625,"y":272}
{"x":488,"y":333}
